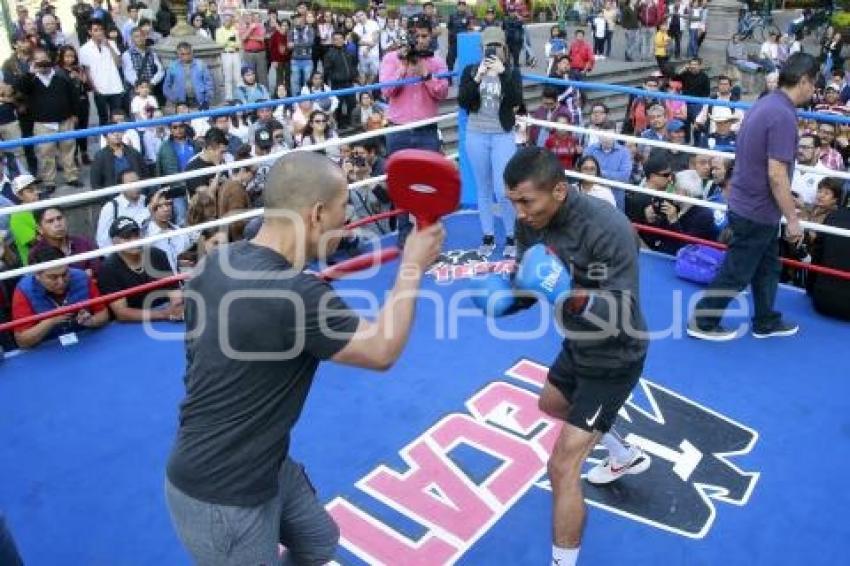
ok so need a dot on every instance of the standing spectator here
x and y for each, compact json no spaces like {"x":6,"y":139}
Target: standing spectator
{"x":22,"y":225}
{"x":614,"y":160}
{"x":188,"y":80}
{"x":53,"y":232}
{"x":144,"y":104}
{"x":340,"y":70}
{"x":460,"y":21}
{"x":563,"y":144}
{"x":173,"y":157}
{"x":53,"y":101}
{"x":102,"y":60}
{"x":253,"y":36}
{"x":599,"y":27}
{"x":227,"y":37}
{"x":410,"y":103}
{"x":392,"y":35}
{"x":674,"y":26}
{"x":68,"y":64}
{"x":697,"y":27}
{"x":611,"y":13}
{"x":429,"y":16}
{"x":410,"y":11}
{"x":82,"y":12}
{"x":514,"y":31}
{"x":555,"y":48}
{"x":140,"y":63}
{"x":695,"y":83}
{"x":631,"y":26}
{"x":199,"y":24}
{"x":279,"y":56}
{"x":212,"y":18}
{"x":581,"y":57}
{"x":760,"y":195}
{"x":661,"y":42}
{"x":131,"y":23}
{"x":134,"y":267}
{"x":302,"y":39}
{"x":324,"y":30}
{"x":112,"y":160}
{"x":129,"y":204}
{"x":47,"y":289}
{"x":647,"y":13}
{"x":489,"y":92}
{"x":368,"y":53}
{"x":10,"y":128}
{"x":51,"y":36}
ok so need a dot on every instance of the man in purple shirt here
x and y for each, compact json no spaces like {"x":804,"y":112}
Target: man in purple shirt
{"x":760,"y":196}
{"x":53,"y":232}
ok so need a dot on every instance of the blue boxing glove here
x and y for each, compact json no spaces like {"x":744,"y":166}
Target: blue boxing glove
{"x":493,"y":294}
{"x":542,"y":272}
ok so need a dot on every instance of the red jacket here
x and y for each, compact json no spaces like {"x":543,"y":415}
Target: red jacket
{"x":277,"y":43}
{"x":563,"y":147}
{"x":581,"y":56}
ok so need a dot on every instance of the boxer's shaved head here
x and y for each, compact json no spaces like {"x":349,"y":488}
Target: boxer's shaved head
{"x":300,"y":179}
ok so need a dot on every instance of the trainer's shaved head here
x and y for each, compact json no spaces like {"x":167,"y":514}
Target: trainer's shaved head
{"x":300,"y":179}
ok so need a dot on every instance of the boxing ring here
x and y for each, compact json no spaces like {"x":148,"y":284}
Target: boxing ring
{"x":443,"y":459}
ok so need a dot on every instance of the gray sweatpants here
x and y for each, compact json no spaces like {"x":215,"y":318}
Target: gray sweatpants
{"x":224,"y":535}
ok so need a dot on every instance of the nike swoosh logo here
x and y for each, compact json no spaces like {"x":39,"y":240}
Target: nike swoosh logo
{"x":592,"y":420}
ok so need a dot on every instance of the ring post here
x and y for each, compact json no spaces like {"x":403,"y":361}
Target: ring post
{"x":468,"y":52}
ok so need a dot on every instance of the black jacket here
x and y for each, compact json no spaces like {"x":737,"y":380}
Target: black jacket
{"x":339,"y":67}
{"x":695,"y":84}
{"x":103,"y":173}
{"x":469,"y":95}
{"x":831,"y":295}
{"x":54,"y":103}
{"x":600,"y":248}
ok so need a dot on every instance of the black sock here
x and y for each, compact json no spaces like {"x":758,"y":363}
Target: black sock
{"x":509,"y":241}
{"x":489,"y":240}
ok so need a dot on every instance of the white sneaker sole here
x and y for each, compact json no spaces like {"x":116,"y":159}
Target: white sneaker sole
{"x":696,"y":333}
{"x":631,"y":471}
{"x":789,"y":332}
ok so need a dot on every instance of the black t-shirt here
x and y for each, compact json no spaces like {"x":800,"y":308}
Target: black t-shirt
{"x":114,"y":275}
{"x":195,"y":163}
{"x":253,"y":343}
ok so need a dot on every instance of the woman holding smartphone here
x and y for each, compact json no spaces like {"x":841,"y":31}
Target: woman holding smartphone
{"x":491,"y":92}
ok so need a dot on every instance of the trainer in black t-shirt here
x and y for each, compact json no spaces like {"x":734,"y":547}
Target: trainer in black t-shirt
{"x":252,"y":350}
{"x":198,"y":162}
{"x":115,"y":275}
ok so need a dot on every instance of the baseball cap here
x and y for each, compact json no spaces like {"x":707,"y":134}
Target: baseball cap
{"x":675,"y":125}
{"x":124,"y":227}
{"x":723,"y":114}
{"x":263,"y":139}
{"x":492,"y":34}
{"x":247,"y":69}
{"x":21,"y":182}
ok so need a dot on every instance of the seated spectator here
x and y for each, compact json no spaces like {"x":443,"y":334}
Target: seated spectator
{"x":240,"y":125}
{"x":112,"y":160}
{"x":828,"y":155}
{"x":132,"y":268}
{"x":53,"y":232}
{"x":831,"y":295}
{"x":831,"y":103}
{"x":829,"y":195}
{"x":614,"y":160}
{"x":723,"y":138}
{"x":250,"y":90}
{"x":363,"y":162}
{"x":676,"y":109}
{"x":202,"y":208}
{"x":129,"y":204}
{"x":319,"y":129}
{"x":678,"y":160}
{"x":48,"y":289}
{"x":263,"y":121}
{"x":152,"y":139}
{"x":300,"y":116}
{"x":263,"y":144}
{"x":129,"y":136}
{"x":365,"y":107}
{"x":769,"y":53}
{"x":736,"y":54}
{"x":589,"y":166}
{"x":657,"y":124}
{"x":215,"y":146}
{"x":234,"y":142}
{"x":637,"y":119}
{"x":598,"y":116}
{"x":316,"y":85}
{"x":804,"y":184}
{"x":563,"y":144}
{"x":159,"y":222}
{"x":22,"y":225}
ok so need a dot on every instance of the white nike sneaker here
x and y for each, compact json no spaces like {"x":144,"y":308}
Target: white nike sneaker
{"x":609,"y":470}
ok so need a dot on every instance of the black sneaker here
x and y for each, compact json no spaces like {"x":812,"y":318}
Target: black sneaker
{"x":713,"y":334}
{"x":75,"y":183}
{"x":781,"y":328}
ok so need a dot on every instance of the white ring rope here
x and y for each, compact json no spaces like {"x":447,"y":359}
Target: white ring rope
{"x":177,"y":177}
{"x":668,"y":145}
{"x":230,"y":219}
{"x":672,"y":196}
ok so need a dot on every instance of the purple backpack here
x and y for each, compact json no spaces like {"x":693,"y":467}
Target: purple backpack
{"x":698,"y":263}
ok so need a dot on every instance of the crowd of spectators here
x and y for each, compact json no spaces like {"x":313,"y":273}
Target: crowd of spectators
{"x":106,"y":58}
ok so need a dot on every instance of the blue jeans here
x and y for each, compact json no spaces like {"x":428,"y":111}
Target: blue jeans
{"x":632,"y":44}
{"x":426,"y":137}
{"x":752,"y":259}
{"x":179,"y":210}
{"x":224,"y":535}
{"x":301,"y":70}
{"x":693,"y":43}
{"x":488,"y":154}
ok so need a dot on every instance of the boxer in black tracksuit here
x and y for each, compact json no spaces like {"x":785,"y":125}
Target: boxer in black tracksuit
{"x":605,"y":347}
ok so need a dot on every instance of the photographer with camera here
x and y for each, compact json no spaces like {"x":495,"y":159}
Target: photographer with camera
{"x":364,"y":162}
{"x":413,"y":102}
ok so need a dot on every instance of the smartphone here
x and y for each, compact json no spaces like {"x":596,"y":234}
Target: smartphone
{"x":490,"y":52}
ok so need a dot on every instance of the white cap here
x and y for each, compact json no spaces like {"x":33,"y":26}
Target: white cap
{"x":21,"y":182}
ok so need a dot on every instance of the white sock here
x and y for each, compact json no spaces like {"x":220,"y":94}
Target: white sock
{"x":564,"y":556}
{"x":616,"y":448}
